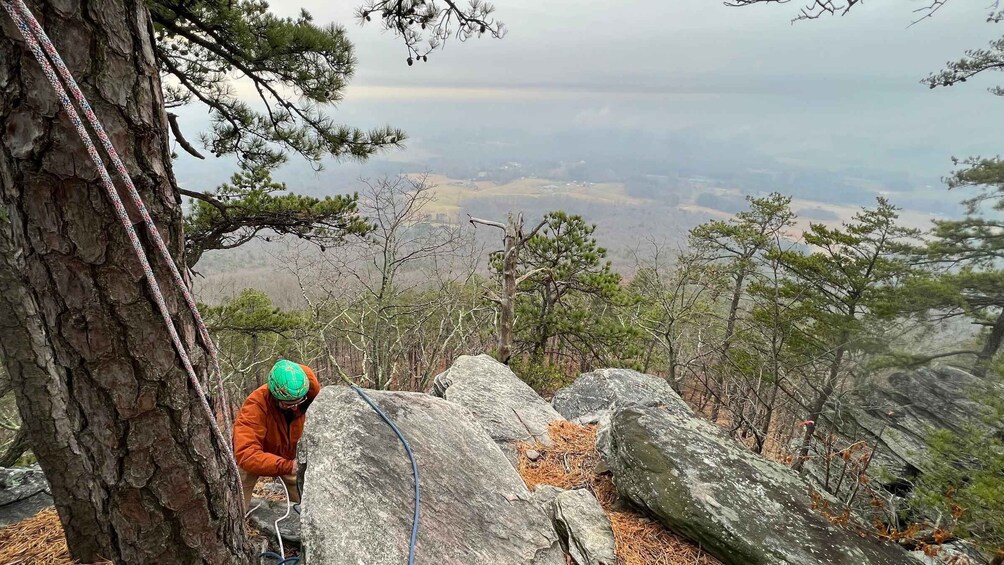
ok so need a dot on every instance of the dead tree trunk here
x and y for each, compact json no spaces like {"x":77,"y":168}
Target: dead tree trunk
{"x":513,"y":241}
{"x":507,"y":300}
{"x":136,"y":474}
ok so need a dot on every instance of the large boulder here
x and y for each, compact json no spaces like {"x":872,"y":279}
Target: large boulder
{"x":503,"y":404}
{"x":594,"y":394}
{"x":24,"y":492}
{"x":358,"y":492}
{"x":737,"y":505}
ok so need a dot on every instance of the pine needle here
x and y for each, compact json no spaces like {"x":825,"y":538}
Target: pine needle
{"x":36,"y":541}
{"x":570,"y":463}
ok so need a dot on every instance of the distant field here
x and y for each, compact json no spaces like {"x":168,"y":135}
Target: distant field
{"x":840,"y":214}
{"x":625,"y":224}
{"x":453,"y":195}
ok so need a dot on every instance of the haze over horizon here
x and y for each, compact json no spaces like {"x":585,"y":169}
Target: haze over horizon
{"x":692,"y":81}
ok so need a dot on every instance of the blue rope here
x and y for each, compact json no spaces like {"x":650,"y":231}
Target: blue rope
{"x":294,"y":560}
{"x":414,"y":472}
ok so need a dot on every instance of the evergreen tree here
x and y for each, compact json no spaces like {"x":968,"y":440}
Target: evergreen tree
{"x":736,"y":245}
{"x":971,"y":250}
{"x":250,"y":332}
{"x":850,"y":276}
{"x":297,"y":68}
{"x":567,"y":263}
{"x":109,"y":413}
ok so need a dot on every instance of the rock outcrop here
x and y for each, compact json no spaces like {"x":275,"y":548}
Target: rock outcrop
{"x":596,"y":393}
{"x":504,"y":405}
{"x":358,"y":490}
{"x":897,"y":412}
{"x":24,"y":492}
{"x":738,"y":506}
{"x":584,"y":528}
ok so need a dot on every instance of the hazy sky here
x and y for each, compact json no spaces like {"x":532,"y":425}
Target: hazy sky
{"x":836,"y":92}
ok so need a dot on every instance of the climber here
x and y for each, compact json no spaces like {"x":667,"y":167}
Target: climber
{"x":269,"y":426}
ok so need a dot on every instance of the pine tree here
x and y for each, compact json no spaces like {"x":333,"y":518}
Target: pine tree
{"x":567,"y":263}
{"x":736,"y":245}
{"x":850,"y":276}
{"x":200,"y":45}
{"x":971,"y":250}
{"x":135,"y":471}
{"x":250,"y":332}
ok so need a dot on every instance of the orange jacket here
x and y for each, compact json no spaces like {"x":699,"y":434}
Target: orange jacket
{"x":264,"y":439}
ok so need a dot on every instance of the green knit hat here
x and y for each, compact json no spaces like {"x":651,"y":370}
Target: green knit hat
{"x":288,"y":381}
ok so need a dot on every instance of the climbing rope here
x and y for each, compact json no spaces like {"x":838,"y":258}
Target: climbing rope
{"x":32,"y":33}
{"x":281,"y":556}
{"x":414,"y":471}
{"x":41,"y":46}
{"x":289,"y":506}
{"x":37,"y":37}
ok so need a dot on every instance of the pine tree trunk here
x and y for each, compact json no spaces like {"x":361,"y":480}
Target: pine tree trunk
{"x":137,"y":476}
{"x":817,"y":408}
{"x":768,"y":416}
{"x":730,"y":329}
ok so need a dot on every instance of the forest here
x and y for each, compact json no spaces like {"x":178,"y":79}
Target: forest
{"x":774,"y":333}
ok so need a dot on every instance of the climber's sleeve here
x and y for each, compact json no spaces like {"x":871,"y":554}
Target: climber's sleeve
{"x":249,"y":438}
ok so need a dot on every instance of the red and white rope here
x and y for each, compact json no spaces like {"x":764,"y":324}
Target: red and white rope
{"x":57,"y":62}
{"x":37,"y":40}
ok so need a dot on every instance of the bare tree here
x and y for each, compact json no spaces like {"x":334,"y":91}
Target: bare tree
{"x":396,"y":299}
{"x":677,"y":297}
{"x":514,"y":241}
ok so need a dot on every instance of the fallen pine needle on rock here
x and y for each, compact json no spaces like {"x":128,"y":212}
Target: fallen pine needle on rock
{"x":571,"y":463}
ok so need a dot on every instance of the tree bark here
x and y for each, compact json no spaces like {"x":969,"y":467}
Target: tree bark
{"x":507,"y":303}
{"x":136,"y":473}
{"x":730,"y":329}
{"x":768,"y":416}
{"x":817,"y":408}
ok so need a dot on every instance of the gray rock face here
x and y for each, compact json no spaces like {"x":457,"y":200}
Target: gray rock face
{"x":358,"y":491}
{"x":600,"y":391}
{"x":265,"y":516}
{"x":584,"y":528}
{"x":898,"y":412}
{"x":24,"y":492}
{"x":738,"y":506}
{"x":504,"y":405}
{"x":545,"y":495}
